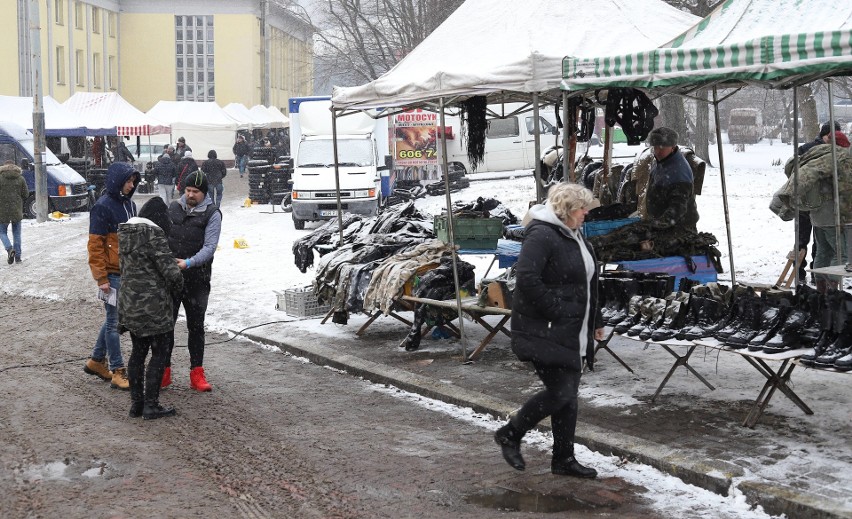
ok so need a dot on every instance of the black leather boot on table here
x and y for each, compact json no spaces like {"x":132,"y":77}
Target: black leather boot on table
{"x":789,"y":335}
{"x":770,"y":323}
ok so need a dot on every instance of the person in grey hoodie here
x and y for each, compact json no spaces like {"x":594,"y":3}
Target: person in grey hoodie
{"x":555,"y":320}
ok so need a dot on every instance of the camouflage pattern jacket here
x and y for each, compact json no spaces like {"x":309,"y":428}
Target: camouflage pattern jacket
{"x":149,"y":277}
{"x":816,"y":187}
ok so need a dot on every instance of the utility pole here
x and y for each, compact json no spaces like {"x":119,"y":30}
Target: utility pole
{"x":264,"y":55}
{"x":38,"y":114}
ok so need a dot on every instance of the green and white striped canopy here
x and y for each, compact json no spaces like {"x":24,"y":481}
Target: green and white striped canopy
{"x":779,"y":42}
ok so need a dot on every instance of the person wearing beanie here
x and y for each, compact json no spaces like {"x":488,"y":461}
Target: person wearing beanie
{"x":150,"y":281}
{"x":824,"y":137}
{"x":181,"y":148}
{"x":196,"y":225}
{"x":215,"y":171}
{"x":670,"y":198}
{"x":185,"y":166}
{"x":112,"y":209}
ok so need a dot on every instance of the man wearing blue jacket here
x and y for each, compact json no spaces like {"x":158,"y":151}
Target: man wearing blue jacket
{"x":670,"y":200}
{"x":112,"y":208}
{"x":194,"y":235}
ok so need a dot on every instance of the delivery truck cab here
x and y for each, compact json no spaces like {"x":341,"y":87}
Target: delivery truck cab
{"x":67,"y":190}
{"x":362,"y":147}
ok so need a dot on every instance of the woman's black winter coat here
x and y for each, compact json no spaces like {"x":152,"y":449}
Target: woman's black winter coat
{"x":550,"y":298}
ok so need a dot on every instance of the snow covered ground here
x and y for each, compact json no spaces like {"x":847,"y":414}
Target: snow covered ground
{"x":245,"y":279}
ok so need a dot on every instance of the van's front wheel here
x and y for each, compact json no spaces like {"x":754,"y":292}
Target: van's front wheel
{"x":30,"y":206}
{"x":298,"y":223}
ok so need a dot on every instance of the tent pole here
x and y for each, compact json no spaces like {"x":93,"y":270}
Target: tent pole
{"x":336,"y":174}
{"x":539,"y":188}
{"x":724,"y":186}
{"x":567,"y":158}
{"x":450,"y":227}
{"x":796,"y":242}
{"x":838,"y":253}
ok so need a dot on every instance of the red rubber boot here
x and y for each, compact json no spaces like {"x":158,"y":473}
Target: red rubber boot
{"x":167,"y":377}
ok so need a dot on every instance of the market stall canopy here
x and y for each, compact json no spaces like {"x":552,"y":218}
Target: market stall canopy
{"x":778,"y":43}
{"x":204,"y":125}
{"x":491,"y":47}
{"x":273,"y":116}
{"x":107,"y":113}
{"x":245,"y":119}
{"x":58,"y":120}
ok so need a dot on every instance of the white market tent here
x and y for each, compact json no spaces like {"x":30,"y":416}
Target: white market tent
{"x":204,"y":125}
{"x":110,"y":114}
{"x":244,"y":117}
{"x":505,"y":47}
{"x":58,"y":120}
{"x":773,"y":43}
{"x":511,"y":51}
{"x":271,"y":115}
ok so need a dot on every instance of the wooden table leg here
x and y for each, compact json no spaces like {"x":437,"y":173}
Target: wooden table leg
{"x":493,"y":331}
{"x":680,"y":361}
{"x":774,"y":380}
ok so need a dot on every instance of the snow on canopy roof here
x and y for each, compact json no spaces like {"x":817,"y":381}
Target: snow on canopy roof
{"x":273,"y":116}
{"x":780,"y":43}
{"x":244,"y":117}
{"x":107,"y":113}
{"x":193,"y":115}
{"x":58,"y":120}
{"x":489,"y":46}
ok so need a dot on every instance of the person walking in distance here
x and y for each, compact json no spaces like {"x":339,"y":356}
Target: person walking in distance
{"x":555,"y":317}
{"x":185,"y":166}
{"x":216,"y":173}
{"x":181,"y":148}
{"x":13,"y":193}
{"x":113,"y":208}
{"x":196,"y":224}
{"x":166,"y":174}
{"x":150,"y":278}
{"x":241,"y":154}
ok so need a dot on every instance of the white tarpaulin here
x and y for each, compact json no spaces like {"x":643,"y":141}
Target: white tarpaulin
{"x":204,"y":125}
{"x":58,"y":120}
{"x":110,"y":114}
{"x":246,"y":119}
{"x":489,"y":46}
{"x":272,"y":115}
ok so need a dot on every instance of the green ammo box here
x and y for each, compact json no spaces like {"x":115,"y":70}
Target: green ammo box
{"x":470,"y":233}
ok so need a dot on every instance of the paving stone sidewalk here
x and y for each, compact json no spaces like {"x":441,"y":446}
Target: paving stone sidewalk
{"x":789,"y":463}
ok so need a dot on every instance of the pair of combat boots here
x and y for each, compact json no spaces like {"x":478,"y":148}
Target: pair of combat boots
{"x":833,"y":346}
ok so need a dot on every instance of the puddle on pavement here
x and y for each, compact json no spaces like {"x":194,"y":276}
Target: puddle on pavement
{"x":512,"y":500}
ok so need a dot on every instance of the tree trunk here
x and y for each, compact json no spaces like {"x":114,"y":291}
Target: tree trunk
{"x":672,"y":115}
{"x":808,"y":113}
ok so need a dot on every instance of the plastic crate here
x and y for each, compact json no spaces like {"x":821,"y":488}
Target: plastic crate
{"x":300,"y":302}
{"x":470,"y":233}
{"x":600,"y":227}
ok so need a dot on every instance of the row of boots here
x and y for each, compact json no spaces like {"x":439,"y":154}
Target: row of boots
{"x":773,"y":322}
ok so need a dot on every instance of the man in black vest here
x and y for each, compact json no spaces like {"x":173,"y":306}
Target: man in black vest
{"x":196,"y":224}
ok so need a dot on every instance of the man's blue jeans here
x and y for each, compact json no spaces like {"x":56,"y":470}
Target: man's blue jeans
{"x":242,"y":161}
{"x":109,"y":343}
{"x":16,"y":235}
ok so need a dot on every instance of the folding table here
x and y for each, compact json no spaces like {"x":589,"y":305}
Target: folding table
{"x":774,"y":379}
{"x":470,"y":307}
{"x":680,"y":360}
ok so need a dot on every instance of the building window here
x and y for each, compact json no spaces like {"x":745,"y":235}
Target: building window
{"x":112,"y":70}
{"x":80,"y":65}
{"x":194,"y":58}
{"x":112,"y":24}
{"x":58,"y":12}
{"x":96,"y":20}
{"x":96,"y":70}
{"x":79,"y":19}
{"x":60,"y":65}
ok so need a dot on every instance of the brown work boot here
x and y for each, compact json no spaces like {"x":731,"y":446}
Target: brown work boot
{"x":98,"y":368}
{"x":119,"y":379}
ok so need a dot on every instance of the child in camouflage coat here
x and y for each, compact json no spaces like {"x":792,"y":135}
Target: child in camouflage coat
{"x":150,"y":276}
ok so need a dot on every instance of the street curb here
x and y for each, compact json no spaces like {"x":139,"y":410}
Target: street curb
{"x":716,"y":477}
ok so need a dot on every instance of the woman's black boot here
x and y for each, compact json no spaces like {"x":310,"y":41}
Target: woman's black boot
{"x":509,"y":440}
{"x":154,"y":410}
{"x":571,"y":467}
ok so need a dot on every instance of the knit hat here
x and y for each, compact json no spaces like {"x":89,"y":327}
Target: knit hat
{"x":825,"y":129}
{"x":156,"y":210}
{"x":662,"y":136}
{"x":198,"y":180}
{"x":187,"y":154}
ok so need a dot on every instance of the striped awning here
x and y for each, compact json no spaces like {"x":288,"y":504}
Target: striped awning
{"x":753,"y":45}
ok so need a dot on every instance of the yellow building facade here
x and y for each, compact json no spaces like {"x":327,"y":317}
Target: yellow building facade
{"x":152,"y":50}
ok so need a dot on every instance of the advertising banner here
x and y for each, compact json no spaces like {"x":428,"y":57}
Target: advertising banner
{"x":415,"y":138}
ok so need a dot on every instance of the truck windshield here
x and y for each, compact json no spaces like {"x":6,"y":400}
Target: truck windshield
{"x":350,"y":152}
